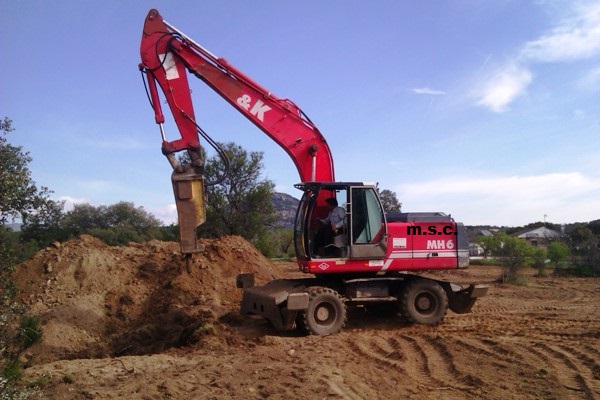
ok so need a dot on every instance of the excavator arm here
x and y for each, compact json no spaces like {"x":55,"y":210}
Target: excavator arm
{"x":167,"y":56}
{"x":167,"y":53}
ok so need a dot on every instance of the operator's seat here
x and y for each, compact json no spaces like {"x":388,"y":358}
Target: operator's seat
{"x":340,"y":241}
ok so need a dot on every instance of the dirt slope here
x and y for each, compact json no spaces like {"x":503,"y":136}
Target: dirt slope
{"x":97,"y":301}
{"x":133,"y":322}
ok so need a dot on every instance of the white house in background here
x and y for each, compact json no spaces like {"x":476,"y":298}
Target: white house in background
{"x":475,"y":250}
{"x":541,"y":235}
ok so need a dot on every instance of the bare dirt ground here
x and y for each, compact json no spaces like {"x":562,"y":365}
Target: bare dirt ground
{"x":135,"y":323}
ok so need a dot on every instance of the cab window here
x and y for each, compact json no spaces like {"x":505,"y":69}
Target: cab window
{"x":367,"y":216}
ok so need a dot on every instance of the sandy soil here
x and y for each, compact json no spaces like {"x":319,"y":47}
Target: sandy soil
{"x":136,"y":322}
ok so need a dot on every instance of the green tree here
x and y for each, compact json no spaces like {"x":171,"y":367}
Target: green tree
{"x":285,"y":242}
{"x":512,"y":253}
{"x":83,"y":218}
{"x":170,"y":233}
{"x":241,"y":204}
{"x":594,"y":226}
{"x":19,"y":195}
{"x":580,"y":235}
{"x":277,"y":243}
{"x":539,"y":257}
{"x":585,"y":250}
{"x":24,"y":336}
{"x":588,"y":263}
{"x":558,"y":252}
{"x":19,"y":198}
{"x":115,"y":224}
{"x":42,"y":228}
{"x":488,"y":244}
{"x":390,"y":201}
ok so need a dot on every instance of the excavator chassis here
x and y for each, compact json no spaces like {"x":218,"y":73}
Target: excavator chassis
{"x":279,"y":301}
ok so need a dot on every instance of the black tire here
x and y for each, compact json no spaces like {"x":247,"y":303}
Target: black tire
{"x":326,"y":312}
{"x":424,"y":302}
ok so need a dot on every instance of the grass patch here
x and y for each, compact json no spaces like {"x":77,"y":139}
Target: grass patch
{"x":483,"y":261}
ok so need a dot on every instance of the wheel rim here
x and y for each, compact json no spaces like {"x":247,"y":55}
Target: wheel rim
{"x":325,"y":314}
{"x":425,"y":303}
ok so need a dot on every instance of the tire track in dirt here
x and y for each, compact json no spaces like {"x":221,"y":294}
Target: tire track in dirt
{"x":571,"y":371}
{"x":337,"y":386}
{"x":503,"y":357}
{"x":426,"y":360}
{"x":519,"y":308}
{"x":473,"y":346}
{"x":551,"y":355}
{"x":591,"y":357}
{"x":542,"y":326}
{"x":592,"y":364}
{"x":535,"y":298}
{"x":378,"y":349}
{"x":442,"y":364}
{"x":417,"y":361}
{"x":509,"y":355}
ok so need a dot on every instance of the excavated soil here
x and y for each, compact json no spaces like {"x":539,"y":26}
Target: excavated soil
{"x":138,"y":322}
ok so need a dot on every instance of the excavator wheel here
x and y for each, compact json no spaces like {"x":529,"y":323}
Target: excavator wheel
{"x":424,"y":302}
{"x":326,"y":312}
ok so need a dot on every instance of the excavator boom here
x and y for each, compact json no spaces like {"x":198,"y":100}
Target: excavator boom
{"x":167,"y":53}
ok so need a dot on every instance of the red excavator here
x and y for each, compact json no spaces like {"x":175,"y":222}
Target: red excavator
{"x":367,"y":258}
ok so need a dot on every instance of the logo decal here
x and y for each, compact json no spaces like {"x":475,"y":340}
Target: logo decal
{"x":440,"y":244}
{"x":258,"y":109}
{"x":399,"y":243}
{"x":169,"y":66}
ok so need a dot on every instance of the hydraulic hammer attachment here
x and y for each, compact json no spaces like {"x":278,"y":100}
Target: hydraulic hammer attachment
{"x":188,"y":188}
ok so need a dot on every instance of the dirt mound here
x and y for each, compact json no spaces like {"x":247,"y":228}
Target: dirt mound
{"x":95,"y":300}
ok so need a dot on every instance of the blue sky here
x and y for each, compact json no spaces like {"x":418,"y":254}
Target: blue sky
{"x":487,"y":110}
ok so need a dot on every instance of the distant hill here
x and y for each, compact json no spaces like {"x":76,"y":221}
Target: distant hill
{"x":285,"y":207}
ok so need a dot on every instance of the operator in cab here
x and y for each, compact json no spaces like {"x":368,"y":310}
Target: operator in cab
{"x":333,"y":225}
{"x":336,"y":216}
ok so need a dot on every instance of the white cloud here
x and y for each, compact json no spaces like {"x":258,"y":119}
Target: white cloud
{"x":428,"y":91}
{"x":167,"y":214}
{"x":578,"y":115}
{"x":591,"y":80}
{"x":503,"y":86}
{"x":508,"y":200}
{"x":71,"y":201}
{"x":574,"y":38}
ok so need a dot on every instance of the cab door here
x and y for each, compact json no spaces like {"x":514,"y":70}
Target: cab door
{"x":368,"y":228}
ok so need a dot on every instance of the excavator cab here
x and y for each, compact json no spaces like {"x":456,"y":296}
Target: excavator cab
{"x":364,"y":233}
